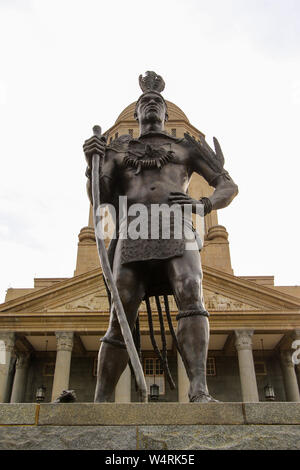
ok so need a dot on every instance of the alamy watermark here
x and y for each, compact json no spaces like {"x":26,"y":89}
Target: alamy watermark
{"x":151,"y":222}
{"x":296,"y":354}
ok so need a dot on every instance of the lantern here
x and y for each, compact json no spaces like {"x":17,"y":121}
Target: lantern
{"x":154,"y":392}
{"x":269,"y":392}
{"x":268,"y":389}
{"x":40,"y":394}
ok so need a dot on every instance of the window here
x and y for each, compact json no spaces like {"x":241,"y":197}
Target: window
{"x":173,"y":132}
{"x":154,"y":373}
{"x":116,"y":135}
{"x":153,"y":366}
{"x":130,"y":132}
{"x":211,"y":366}
{"x":260,"y":368}
{"x":110,"y":140}
{"x":48,"y":370}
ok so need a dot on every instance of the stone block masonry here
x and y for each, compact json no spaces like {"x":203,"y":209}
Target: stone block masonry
{"x":136,"y":426}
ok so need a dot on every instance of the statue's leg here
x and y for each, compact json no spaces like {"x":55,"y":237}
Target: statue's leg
{"x":113,"y":356}
{"x":185,"y":276}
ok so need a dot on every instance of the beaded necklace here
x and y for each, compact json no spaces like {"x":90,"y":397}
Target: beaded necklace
{"x":149,"y":158}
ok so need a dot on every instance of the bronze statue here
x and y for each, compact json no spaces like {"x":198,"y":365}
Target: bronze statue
{"x":156,"y":169}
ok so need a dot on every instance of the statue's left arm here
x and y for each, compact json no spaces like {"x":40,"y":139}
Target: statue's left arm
{"x":225,"y":188}
{"x":209,"y":165}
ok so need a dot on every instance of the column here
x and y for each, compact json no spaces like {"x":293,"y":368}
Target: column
{"x":7,"y":359}
{"x":289,"y":376}
{"x":20,"y":378}
{"x":183,"y":381}
{"x":243,"y":344}
{"x":64,"y":341}
{"x":123,"y":388}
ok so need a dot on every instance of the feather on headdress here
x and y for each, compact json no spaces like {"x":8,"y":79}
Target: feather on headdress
{"x":151,"y":82}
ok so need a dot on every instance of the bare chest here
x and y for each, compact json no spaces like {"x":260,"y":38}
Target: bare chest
{"x":152,"y":155}
{"x":151,"y":171}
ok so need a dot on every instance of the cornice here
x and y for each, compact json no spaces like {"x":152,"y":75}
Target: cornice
{"x":95,"y":322}
{"x":132,"y":124}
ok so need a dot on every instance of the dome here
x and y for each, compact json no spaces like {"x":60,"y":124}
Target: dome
{"x":175,"y":113}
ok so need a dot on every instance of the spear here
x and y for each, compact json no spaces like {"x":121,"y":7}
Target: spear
{"x":106,"y":269}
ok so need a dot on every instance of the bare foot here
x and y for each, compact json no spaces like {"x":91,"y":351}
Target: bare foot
{"x":67,"y":396}
{"x":203,"y":397}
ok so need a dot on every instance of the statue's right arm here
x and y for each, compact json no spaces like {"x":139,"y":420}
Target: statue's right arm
{"x":107,"y":168}
{"x":106,"y":179}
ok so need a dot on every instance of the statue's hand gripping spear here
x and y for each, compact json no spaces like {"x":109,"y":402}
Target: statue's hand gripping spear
{"x":106,"y":269}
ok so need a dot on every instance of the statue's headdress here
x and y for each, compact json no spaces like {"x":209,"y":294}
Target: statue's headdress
{"x":151,"y":83}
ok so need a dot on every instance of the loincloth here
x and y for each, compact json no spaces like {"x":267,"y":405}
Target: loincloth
{"x":166,"y":244}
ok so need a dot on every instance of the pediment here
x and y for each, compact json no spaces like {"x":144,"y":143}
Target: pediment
{"x":86,"y":292}
{"x":223,"y":288}
{"x":95,"y":301}
{"x":215,"y":301}
{"x":61,"y":296}
{"x":98,"y":301}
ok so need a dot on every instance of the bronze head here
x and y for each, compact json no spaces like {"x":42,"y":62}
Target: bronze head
{"x":151,"y":106}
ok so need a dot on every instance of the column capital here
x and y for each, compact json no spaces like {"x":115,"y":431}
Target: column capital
{"x":22,"y":360}
{"x":8,"y":338}
{"x":296,"y":334}
{"x":64,"y":340}
{"x":286,"y":358}
{"x":243,"y":339}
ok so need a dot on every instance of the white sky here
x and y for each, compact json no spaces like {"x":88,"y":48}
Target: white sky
{"x":231,"y":65}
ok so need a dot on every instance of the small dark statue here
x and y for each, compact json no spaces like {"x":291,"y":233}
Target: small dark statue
{"x":156,"y":169}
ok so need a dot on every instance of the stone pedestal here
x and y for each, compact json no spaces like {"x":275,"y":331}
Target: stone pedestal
{"x":20,"y":379}
{"x":243,"y":345}
{"x":63,"y":362}
{"x":7,"y":360}
{"x":151,"y":426}
{"x":289,"y":376}
{"x":183,"y":381}
{"x":123,"y":388}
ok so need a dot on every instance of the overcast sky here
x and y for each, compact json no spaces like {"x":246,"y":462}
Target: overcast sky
{"x":231,"y":65}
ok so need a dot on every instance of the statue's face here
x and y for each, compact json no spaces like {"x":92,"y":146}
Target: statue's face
{"x":151,"y":107}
